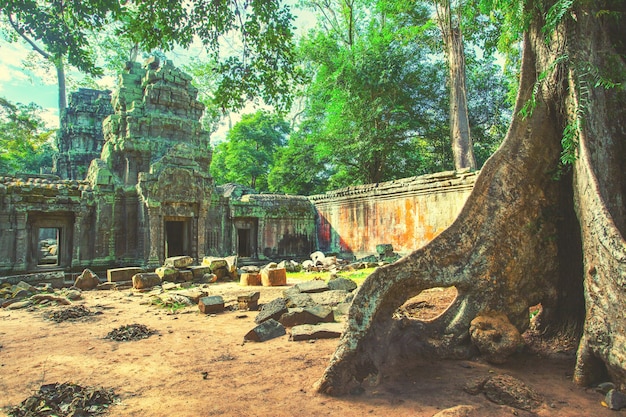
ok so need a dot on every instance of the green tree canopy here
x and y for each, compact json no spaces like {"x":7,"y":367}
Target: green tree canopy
{"x":248,"y":153}
{"x":25,"y":144}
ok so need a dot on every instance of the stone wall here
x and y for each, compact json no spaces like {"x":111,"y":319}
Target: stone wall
{"x":406,"y":213}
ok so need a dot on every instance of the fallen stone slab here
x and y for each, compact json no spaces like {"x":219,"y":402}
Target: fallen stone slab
{"x":331,"y":297}
{"x":341,"y":283}
{"x":272,"y":310}
{"x":273,"y":277}
{"x":265,"y":331}
{"x":122,"y":274}
{"x":145,"y":280}
{"x":312,"y":286}
{"x":299,"y":300}
{"x":179,"y":261}
{"x":316,"y":331}
{"x":211,"y":304}
{"x":309,"y":315}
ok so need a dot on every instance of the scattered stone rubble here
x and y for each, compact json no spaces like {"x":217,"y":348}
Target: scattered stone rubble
{"x":23,"y":294}
{"x":308,"y":309}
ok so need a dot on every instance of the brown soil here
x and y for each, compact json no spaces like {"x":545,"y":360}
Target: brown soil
{"x":198,"y":365}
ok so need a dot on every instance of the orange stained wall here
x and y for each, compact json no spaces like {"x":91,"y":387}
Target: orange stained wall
{"x":407,"y":213}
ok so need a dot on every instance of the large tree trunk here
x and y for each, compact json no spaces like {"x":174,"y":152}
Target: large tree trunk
{"x":600,"y":191}
{"x":462,"y":147}
{"x":502,"y":252}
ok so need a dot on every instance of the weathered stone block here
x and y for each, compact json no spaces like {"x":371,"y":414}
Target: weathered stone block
{"x":122,"y":274}
{"x":249,"y":301}
{"x":198,"y":271}
{"x":179,"y":261}
{"x":317,"y":331}
{"x":167,"y":273}
{"x":250,"y":278}
{"x":214,"y":263}
{"x":272,"y":310}
{"x":211,"y":304}
{"x":312,"y":286}
{"x":267,"y":330}
{"x":273,"y":277}
{"x":185,"y":275}
{"x":145,"y":280}
{"x":87,"y":280}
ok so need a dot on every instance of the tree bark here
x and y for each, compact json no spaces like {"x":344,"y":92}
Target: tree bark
{"x":502,"y":252}
{"x":462,"y":147}
{"x":60,"y":68}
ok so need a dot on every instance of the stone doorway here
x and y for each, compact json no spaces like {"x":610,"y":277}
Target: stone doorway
{"x":48,"y":254}
{"x":246,"y":236}
{"x":177,"y":237}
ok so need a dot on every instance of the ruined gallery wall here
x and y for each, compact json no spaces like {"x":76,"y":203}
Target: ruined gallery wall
{"x":406,"y":213}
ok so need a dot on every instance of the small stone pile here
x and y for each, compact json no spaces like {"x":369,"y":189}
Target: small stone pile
{"x":130,"y":332}
{"x":308,"y":309}
{"x":65,"y":399}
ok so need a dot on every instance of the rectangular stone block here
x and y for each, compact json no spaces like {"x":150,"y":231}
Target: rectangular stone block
{"x":273,"y":277}
{"x":198,"y":271}
{"x":211,"y":304}
{"x":249,"y":301}
{"x":185,"y":275}
{"x":179,"y":261}
{"x":122,"y":274}
{"x":145,"y":280}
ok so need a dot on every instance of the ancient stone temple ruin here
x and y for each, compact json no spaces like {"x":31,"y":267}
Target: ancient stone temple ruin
{"x":132,"y":187}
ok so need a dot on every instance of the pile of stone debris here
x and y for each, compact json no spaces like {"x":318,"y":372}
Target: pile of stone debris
{"x":23,"y":294}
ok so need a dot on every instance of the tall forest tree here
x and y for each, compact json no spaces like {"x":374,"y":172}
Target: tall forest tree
{"x":530,"y":232}
{"x":24,"y":139}
{"x":248,"y":153}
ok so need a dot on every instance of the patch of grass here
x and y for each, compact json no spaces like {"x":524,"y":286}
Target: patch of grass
{"x":172,"y":306}
{"x":358,"y":276}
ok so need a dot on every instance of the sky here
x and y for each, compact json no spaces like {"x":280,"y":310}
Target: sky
{"x":20,"y":85}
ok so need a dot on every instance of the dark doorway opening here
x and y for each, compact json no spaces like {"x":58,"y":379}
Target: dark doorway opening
{"x":176,"y":238}
{"x":244,"y":248}
{"x":49,"y":239}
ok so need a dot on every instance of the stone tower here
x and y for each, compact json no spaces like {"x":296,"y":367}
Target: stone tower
{"x":80,"y":136}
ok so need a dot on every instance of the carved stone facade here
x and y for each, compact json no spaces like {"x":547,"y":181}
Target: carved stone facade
{"x":148,"y":195}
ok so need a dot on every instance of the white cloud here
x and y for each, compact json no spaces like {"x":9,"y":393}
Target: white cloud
{"x":50,"y":115}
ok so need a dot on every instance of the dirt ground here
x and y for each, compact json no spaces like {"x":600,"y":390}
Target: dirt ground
{"x":198,"y":365}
